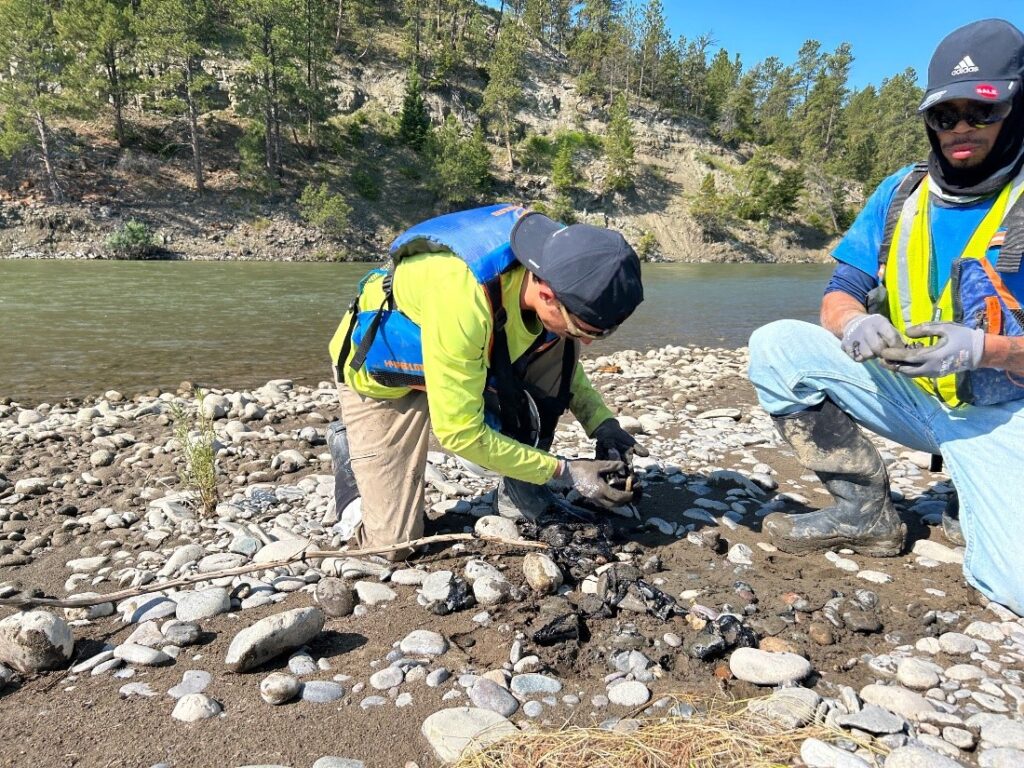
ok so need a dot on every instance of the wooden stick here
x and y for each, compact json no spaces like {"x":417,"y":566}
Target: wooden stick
{"x":124,"y":594}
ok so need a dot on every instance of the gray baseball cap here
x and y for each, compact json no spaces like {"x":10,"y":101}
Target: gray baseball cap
{"x":982,"y":61}
{"x":592,"y":270}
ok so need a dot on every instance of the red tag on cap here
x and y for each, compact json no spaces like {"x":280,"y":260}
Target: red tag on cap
{"x":987,"y":91}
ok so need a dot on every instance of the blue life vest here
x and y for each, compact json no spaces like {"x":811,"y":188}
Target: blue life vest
{"x":389,"y":344}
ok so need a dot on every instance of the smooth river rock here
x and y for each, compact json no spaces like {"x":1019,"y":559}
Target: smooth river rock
{"x":767,"y":668}
{"x":195,"y":706}
{"x":273,"y":636}
{"x":34,"y":641}
{"x":450,"y":731}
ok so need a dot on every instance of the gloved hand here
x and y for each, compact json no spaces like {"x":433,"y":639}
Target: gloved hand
{"x":866,"y":336}
{"x":613,"y":442}
{"x":958,"y":349}
{"x":589,"y":477}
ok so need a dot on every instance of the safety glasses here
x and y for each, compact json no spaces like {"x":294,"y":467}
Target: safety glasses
{"x":578,"y":333}
{"x":977,"y":114}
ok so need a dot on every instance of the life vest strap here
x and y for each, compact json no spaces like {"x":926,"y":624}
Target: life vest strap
{"x":1011,"y":254}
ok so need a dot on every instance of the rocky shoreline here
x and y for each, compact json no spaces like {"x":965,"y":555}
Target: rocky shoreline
{"x":344,"y":661}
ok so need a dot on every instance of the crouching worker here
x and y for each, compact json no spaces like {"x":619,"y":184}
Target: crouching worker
{"x":923,"y":337}
{"x":474,"y":330}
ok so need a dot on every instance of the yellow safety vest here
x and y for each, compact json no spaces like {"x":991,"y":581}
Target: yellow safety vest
{"x":907,"y":281}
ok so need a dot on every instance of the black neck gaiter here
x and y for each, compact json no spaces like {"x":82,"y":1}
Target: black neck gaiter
{"x":1001,"y":165}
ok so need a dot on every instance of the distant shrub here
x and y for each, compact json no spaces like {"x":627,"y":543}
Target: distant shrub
{"x":322,"y":209}
{"x":366,"y":185}
{"x":132,"y":240}
{"x":647,"y":245}
{"x":560,"y":209}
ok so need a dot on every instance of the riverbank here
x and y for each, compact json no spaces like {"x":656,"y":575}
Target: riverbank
{"x":893,"y":653}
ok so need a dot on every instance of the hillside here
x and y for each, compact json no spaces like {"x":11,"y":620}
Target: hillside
{"x":384,"y":181}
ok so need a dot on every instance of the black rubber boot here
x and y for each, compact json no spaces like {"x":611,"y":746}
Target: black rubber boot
{"x":951,"y":520}
{"x":345,"y":489}
{"x":828,"y":441}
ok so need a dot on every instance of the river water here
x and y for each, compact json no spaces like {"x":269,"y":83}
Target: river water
{"x":72,"y":328}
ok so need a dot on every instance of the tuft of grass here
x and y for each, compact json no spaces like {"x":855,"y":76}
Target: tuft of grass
{"x":195,"y":436}
{"x":726,"y":735}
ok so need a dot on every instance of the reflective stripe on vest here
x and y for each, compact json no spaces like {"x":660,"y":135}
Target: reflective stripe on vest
{"x":908,"y":277}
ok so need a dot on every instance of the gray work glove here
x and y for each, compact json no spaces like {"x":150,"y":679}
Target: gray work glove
{"x":589,"y":478}
{"x":866,"y":336}
{"x":613,"y":442}
{"x":958,"y":349}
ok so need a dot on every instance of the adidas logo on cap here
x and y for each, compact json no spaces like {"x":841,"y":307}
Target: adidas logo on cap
{"x":965,"y":67}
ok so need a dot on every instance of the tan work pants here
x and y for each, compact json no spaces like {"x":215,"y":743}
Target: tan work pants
{"x":387,"y":442}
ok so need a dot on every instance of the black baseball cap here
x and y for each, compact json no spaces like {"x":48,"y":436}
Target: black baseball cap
{"x":982,"y":61}
{"x":592,"y":270}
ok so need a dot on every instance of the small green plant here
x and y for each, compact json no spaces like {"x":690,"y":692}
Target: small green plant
{"x":322,"y":209}
{"x":647,"y":245}
{"x":366,"y":185}
{"x":132,"y":240}
{"x":193,"y":430}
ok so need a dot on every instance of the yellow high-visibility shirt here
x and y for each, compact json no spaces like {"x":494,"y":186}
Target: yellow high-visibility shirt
{"x":438,"y":292}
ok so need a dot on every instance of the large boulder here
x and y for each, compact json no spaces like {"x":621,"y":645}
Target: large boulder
{"x":35,"y":641}
{"x":273,"y":636}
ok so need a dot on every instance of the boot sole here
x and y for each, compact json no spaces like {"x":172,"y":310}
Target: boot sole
{"x":883,"y":548}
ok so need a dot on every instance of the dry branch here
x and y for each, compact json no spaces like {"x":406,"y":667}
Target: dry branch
{"x":84,"y":602}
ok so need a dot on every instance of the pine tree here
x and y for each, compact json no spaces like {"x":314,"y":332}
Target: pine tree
{"x":267,"y":86}
{"x":736,"y":121}
{"x":654,"y":41}
{"x":619,"y":147}
{"x":414,"y":124}
{"x":460,"y":166}
{"x":175,"y":35}
{"x":722,"y":77}
{"x":821,"y":124}
{"x":102,"y":36}
{"x":504,"y":91}
{"x":32,"y":92}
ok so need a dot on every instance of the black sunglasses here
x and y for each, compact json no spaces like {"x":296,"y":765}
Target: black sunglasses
{"x":977,"y":114}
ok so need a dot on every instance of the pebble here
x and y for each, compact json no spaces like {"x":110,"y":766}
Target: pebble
{"x":374,"y":593}
{"x":917,"y":674}
{"x":203,"y":604}
{"x":787,"y":708}
{"x":765,"y":668}
{"x":740,"y":554}
{"x":919,"y":757}
{"x":386,"y":678}
{"x":629,"y":694}
{"x":321,"y":691}
{"x":424,"y":642}
{"x":873,"y":719}
{"x":957,"y":644}
{"x":534,"y":684}
{"x":142,"y":690}
{"x":1003,"y":732}
{"x":818,"y":754}
{"x":141,"y":655}
{"x":335,"y":598}
{"x":438,"y":677}
{"x":1001,"y":757}
{"x":279,"y":688}
{"x":542,"y":574}
{"x":338,"y":762}
{"x":193,"y":681}
{"x":195,"y":706}
{"x":896,"y":699}
{"x":489,"y":695}
{"x":533,"y":709}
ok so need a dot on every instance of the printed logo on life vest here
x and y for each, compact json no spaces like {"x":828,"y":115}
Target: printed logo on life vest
{"x":965,"y":67}
{"x":987,"y":91}
{"x":508,"y":209}
{"x":403,"y":365}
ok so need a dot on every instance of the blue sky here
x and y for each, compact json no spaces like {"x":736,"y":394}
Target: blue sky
{"x":887,"y":35}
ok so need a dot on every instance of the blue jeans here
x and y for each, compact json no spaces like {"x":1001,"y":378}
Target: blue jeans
{"x":794,"y":365}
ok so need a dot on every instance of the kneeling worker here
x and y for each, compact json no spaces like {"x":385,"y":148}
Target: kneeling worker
{"x":474,"y":331}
